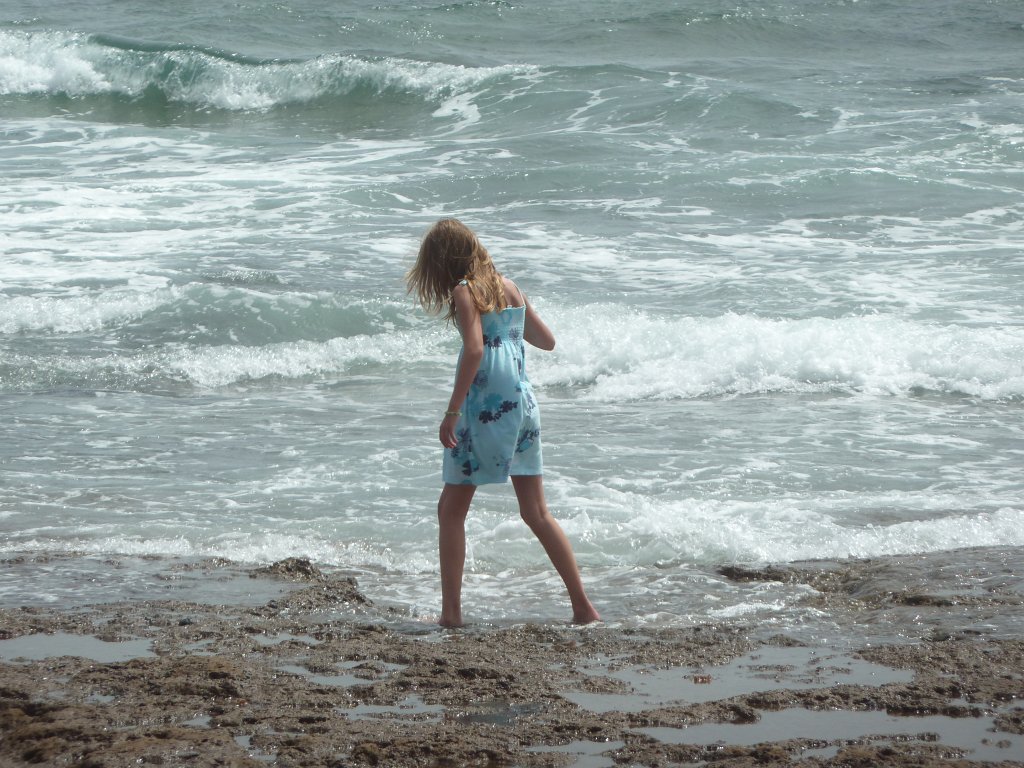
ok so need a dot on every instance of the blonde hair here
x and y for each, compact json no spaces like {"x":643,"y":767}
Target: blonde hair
{"x":450,"y":252}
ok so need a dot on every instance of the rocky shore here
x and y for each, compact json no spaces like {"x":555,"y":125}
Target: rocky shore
{"x":289,"y":683}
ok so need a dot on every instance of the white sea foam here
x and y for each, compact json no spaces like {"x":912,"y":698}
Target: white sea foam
{"x":607,"y":354}
{"x":75,"y":314}
{"x":615,"y":354}
{"x":55,"y":62}
{"x":221,"y":366}
{"x":636,"y":529}
{"x":259,"y":548}
{"x":77,"y":65}
{"x":642,"y":532}
{"x":787,"y":531}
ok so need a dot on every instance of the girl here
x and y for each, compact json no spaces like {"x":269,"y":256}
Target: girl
{"x":491,"y":429}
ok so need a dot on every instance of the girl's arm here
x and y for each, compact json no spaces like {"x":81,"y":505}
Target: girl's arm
{"x":468,"y":319}
{"x":536,"y":331}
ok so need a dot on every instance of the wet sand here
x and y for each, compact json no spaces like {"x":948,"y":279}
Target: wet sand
{"x":314,"y":676}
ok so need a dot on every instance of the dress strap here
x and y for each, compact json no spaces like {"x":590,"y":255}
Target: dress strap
{"x":522,"y":298}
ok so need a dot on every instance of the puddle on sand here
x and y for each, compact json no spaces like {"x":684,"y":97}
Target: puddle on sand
{"x":588,"y":754}
{"x":336,"y":681}
{"x":411,"y":707}
{"x":766,"y":669}
{"x":245,"y":742}
{"x":344,"y":680}
{"x":497,"y":712}
{"x":75,"y":581}
{"x":971,"y":734}
{"x":283,"y":637}
{"x":36,"y":647}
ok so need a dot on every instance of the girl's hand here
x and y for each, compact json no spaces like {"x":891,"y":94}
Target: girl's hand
{"x":446,"y":432}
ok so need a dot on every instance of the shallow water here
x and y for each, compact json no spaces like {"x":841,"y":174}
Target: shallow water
{"x":973,"y":735}
{"x":42,"y":646}
{"x":766,"y":669}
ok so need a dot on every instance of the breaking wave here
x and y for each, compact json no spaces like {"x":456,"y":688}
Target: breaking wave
{"x":77,"y":65}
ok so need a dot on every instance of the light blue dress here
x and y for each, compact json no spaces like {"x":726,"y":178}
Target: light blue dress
{"x":499,"y":430}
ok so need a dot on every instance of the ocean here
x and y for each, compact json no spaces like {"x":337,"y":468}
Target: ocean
{"x":781,"y":246}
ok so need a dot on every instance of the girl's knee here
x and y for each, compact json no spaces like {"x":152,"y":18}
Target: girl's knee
{"x":449,"y":513}
{"x":534,"y":515}
{"x":454,"y":502}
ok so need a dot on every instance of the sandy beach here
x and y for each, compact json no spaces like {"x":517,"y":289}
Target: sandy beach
{"x":313,"y":674}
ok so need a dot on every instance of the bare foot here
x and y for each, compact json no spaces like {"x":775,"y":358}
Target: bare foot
{"x":450,"y":623}
{"x":587,"y":615}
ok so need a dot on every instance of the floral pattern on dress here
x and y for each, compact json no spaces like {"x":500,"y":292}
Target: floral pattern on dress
{"x":498,"y":432}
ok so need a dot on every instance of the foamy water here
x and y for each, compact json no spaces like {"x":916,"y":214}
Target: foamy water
{"x":785,"y":286}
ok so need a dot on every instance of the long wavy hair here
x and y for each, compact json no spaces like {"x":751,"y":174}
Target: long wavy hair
{"x":451,"y":252}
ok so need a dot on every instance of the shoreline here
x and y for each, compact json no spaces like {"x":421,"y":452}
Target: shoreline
{"x":313,"y":677}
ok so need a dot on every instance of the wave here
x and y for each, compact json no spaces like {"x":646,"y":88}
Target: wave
{"x":646,"y":533}
{"x":76,"y":314}
{"x":183,"y":366}
{"x":617,"y":355}
{"x":77,"y":65}
{"x":215,"y":336}
{"x":254,"y":548}
{"x":639,"y":530}
{"x":249,"y":308}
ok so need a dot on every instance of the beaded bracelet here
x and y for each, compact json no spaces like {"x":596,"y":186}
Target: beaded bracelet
{"x":453,"y":413}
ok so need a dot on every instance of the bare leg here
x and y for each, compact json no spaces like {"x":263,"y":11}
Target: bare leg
{"x":534,"y":510}
{"x":452,"y":508}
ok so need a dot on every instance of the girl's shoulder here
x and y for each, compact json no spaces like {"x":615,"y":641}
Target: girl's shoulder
{"x":462,"y":296}
{"x":513,"y":296}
